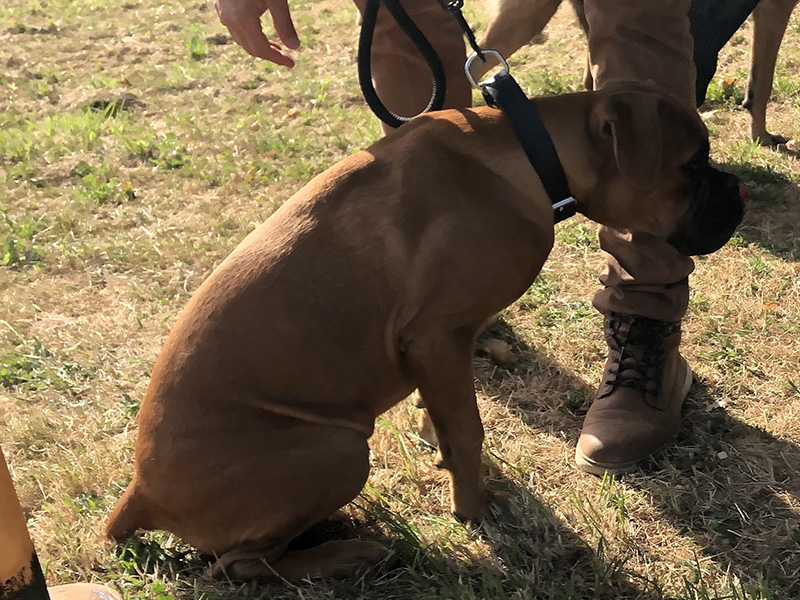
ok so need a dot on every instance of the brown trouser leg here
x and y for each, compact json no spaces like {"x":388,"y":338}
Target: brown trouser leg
{"x":642,"y":40}
{"x":400,"y":74}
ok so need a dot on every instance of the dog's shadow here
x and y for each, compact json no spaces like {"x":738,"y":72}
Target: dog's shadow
{"x":731,"y":488}
{"x":543,"y":555}
{"x":529,"y":553}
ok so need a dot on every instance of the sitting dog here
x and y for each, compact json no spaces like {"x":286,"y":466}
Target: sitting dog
{"x":371,"y":281}
{"x":513,"y":23}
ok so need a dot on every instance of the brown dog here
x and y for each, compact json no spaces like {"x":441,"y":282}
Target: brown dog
{"x":513,"y":23}
{"x":374,"y":280}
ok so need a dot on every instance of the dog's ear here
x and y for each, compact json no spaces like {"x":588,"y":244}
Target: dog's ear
{"x":632,"y":121}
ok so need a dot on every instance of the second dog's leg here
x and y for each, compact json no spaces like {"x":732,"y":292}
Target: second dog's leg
{"x":442,"y":369}
{"x":512,"y":24}
{"x":769,"y":24}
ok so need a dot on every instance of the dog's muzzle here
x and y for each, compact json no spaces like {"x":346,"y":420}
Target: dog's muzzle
{"x":716,"y":212}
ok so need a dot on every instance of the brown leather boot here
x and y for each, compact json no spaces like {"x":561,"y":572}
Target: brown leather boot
{"x":637,"y":409}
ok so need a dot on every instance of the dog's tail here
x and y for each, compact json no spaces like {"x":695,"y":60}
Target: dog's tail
{"x":130,"y":513}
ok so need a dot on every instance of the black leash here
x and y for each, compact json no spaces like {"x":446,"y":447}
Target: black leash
{"x":454,"y":7}
{"x":368,"y":21}
{"x":500,"y":91}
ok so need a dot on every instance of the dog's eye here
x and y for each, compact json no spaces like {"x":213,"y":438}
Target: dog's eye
{"x":698,"y":162}
{"x":695,"y":165}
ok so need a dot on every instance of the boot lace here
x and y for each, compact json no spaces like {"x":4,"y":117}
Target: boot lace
{"x":637,"y":351}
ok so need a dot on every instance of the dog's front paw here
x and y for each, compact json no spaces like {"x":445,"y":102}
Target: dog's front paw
{"x":474,"y":522}
{"x":468,"y":507}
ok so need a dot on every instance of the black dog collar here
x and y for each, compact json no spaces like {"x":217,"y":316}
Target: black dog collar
{"x":504,"y":92}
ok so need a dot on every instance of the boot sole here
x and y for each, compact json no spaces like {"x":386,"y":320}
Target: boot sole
{"x":594,"y":467}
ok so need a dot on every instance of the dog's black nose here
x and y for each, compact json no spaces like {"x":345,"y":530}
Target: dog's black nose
{"x":732,"y":183}
{"x":718,"y":209}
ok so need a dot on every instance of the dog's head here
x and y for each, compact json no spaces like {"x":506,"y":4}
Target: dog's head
{"x":656,"y":177}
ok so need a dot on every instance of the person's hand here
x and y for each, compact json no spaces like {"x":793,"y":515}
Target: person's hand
{"x":243,"y":20}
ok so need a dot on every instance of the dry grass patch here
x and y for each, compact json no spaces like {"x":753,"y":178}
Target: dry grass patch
{"x":138,"y":145}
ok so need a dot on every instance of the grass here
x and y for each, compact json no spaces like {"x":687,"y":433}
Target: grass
{"x":139,"y":145}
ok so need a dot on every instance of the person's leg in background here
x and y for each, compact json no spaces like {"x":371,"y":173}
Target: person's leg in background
{"x":646,"y":289}
{"x":401,"y":77}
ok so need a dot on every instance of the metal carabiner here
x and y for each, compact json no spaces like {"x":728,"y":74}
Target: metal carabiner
{"x":496,"y":54}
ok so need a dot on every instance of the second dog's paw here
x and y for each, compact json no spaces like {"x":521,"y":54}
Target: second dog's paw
{"x":771,"y":140}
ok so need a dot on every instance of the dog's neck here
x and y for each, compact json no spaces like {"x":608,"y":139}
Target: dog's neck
{"x":566,"y":119}
{"x":496,"y":148}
